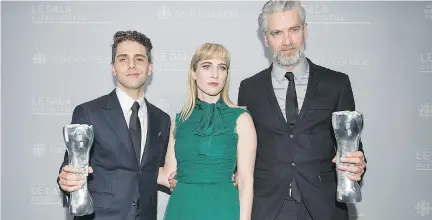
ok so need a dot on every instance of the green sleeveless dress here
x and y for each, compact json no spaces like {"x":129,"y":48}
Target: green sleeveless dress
{"x":206,"y":153}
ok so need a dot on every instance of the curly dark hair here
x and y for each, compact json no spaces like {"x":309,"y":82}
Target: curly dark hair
{"x":130,"y":35}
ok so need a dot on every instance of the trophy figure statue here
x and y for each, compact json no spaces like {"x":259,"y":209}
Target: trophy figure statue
{"x":79,"y":140}
{"x":347,"y":127}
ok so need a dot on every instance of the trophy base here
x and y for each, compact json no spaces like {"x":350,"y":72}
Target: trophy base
{"x":81,"y":203}
{"x":81,"y":211}
{"x":349,"y":199}
{"x":350,"y":194}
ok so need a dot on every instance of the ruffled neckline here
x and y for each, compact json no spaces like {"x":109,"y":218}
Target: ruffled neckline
{"x":210,"y":123}
{"x":205,"y":105}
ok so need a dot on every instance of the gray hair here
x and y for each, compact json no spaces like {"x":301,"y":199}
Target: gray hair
{"x":274,"y":6}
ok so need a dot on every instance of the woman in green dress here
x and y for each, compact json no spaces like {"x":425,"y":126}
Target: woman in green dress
{"x":209,"y":139}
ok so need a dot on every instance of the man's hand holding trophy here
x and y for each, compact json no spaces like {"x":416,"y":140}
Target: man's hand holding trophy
{"x":73,"y":177}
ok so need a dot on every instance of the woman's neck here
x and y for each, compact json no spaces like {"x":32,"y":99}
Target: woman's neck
{"x":208,"y":98}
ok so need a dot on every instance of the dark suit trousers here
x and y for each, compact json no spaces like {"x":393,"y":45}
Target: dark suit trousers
{"x":291,"y":210}
{"x":133,"y":214}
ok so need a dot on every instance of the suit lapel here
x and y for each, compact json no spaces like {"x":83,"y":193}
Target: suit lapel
{"x":271,"y":96}
{"x":152,"y":132}
{"x":114,"y":115}
{"x":312,"y":86}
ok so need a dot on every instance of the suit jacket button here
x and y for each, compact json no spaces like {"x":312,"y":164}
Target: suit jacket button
{"x":291,"y":136}
{"x":293,"y":164}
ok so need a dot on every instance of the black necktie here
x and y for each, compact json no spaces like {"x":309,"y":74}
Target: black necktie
{"x":291,"y":105}
{"x":291,"y":111}
{"x":135,"y":130}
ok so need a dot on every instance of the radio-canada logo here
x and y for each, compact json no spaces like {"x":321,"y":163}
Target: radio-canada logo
{"x":428,"y":12}
{"x":39,"y":58}
{"x":423,"y":208}
{"x":163,"y":12}
{"x":425,"y":110}
{"x":39,"y":149}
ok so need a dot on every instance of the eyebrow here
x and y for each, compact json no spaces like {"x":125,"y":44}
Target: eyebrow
{"x":212,"y":63}
{"x":280,"y":30}
{"x":296,"y":26}
{"x":137,"y":55}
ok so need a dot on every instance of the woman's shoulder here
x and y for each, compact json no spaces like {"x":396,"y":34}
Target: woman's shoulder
{"x":235,"y":113}
{"x":238,"y":109}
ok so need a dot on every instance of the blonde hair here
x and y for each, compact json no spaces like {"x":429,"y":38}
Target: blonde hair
{"x":205,"y":52}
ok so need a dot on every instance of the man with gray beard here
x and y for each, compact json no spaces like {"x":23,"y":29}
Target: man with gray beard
{"x":291,"y":103}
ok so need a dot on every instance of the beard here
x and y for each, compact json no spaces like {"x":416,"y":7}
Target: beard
{"x":288,"y":60}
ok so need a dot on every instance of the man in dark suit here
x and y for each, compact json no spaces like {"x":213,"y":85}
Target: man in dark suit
{"x":130,"y":139}
{"x":291,"y":103}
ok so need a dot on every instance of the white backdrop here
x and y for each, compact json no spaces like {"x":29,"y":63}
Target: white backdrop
{"x":56,"y":55}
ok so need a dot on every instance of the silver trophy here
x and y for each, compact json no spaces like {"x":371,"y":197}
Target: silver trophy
{"x":79,"y":139}
{"x":347,"y":126}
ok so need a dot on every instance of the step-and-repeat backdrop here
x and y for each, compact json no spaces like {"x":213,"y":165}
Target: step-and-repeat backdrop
{"x":56,"y":55}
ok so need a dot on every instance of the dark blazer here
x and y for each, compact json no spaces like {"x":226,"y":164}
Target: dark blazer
{"x":304,"y":152}
{"x":118,"y":181}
